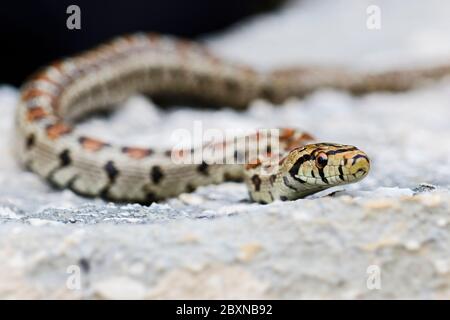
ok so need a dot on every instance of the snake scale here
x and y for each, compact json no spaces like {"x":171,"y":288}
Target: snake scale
{"x":55,"y":97}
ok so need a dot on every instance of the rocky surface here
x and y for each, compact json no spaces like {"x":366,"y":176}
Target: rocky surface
{"x":302,"y":249}
{"x":386,"y":237}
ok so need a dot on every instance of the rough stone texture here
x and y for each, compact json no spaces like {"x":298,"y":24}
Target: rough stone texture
{"x":215,"y":244}
{"x":302,"y":249}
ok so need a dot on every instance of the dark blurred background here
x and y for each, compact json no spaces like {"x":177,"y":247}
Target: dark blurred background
{"x":34,"y":33}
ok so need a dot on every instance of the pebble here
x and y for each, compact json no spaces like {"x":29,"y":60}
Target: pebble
{"x":424,"y":187}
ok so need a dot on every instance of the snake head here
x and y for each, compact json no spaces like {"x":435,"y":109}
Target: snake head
{"x":315,"y":167}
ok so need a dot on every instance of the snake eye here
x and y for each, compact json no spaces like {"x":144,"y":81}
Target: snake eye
{"x":321,"y":160}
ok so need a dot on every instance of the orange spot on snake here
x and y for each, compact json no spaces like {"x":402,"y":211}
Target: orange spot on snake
{"x":56,"y":130}
{"x":300,"y":141}
{"x":253,"y":164}
{"x":137,"y":153}
{"x":36,"y":113}
{"x":33,"y":93}
{"x":92,"y":144}
{"x":307,"y":136}
{"x":286,"y":133}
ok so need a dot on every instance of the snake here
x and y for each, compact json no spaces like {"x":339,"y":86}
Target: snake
{"x":288,"y":165}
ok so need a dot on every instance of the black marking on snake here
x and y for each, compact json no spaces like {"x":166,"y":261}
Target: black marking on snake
{"x":229,"y":177}
{"x":64,"y":157}
{"x":104,"y":193}
{"x":300,"y":180}
{"x":328,"y":144}
{"x":359,"y":156}
{"x":203,"y":168}
{"x":70,"y":184}
{"x":111,"y":171}
{"x":293,"y":172}
{"x":341,"y":174}
{"x":30,"y":141}
{"x":256,"y":182}
{"x":312,"y":174}
{"x":151,"y":197}
{"x":268,"y":94}
{"x":65,"y":160}
{"x":156,"y":174}
{"x":313,"y":153}
{"x":190,"y":188}
{"x":51,"y":181}
{"x":112,"y":174}
{"x":271,"y":196}
{"x":283,"y":198}
{"x":272,"y":179}
{"x":322,"y":176}
{"x":286,"y":183}
{"x":332,"y":152}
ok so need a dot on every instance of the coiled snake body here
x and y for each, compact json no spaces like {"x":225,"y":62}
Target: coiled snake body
{"x":55,"y":97}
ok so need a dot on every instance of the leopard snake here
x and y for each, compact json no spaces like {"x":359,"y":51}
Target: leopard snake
{"x":55,"y":97}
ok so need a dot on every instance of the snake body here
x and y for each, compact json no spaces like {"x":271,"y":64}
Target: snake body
{"x":60,"y":94}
